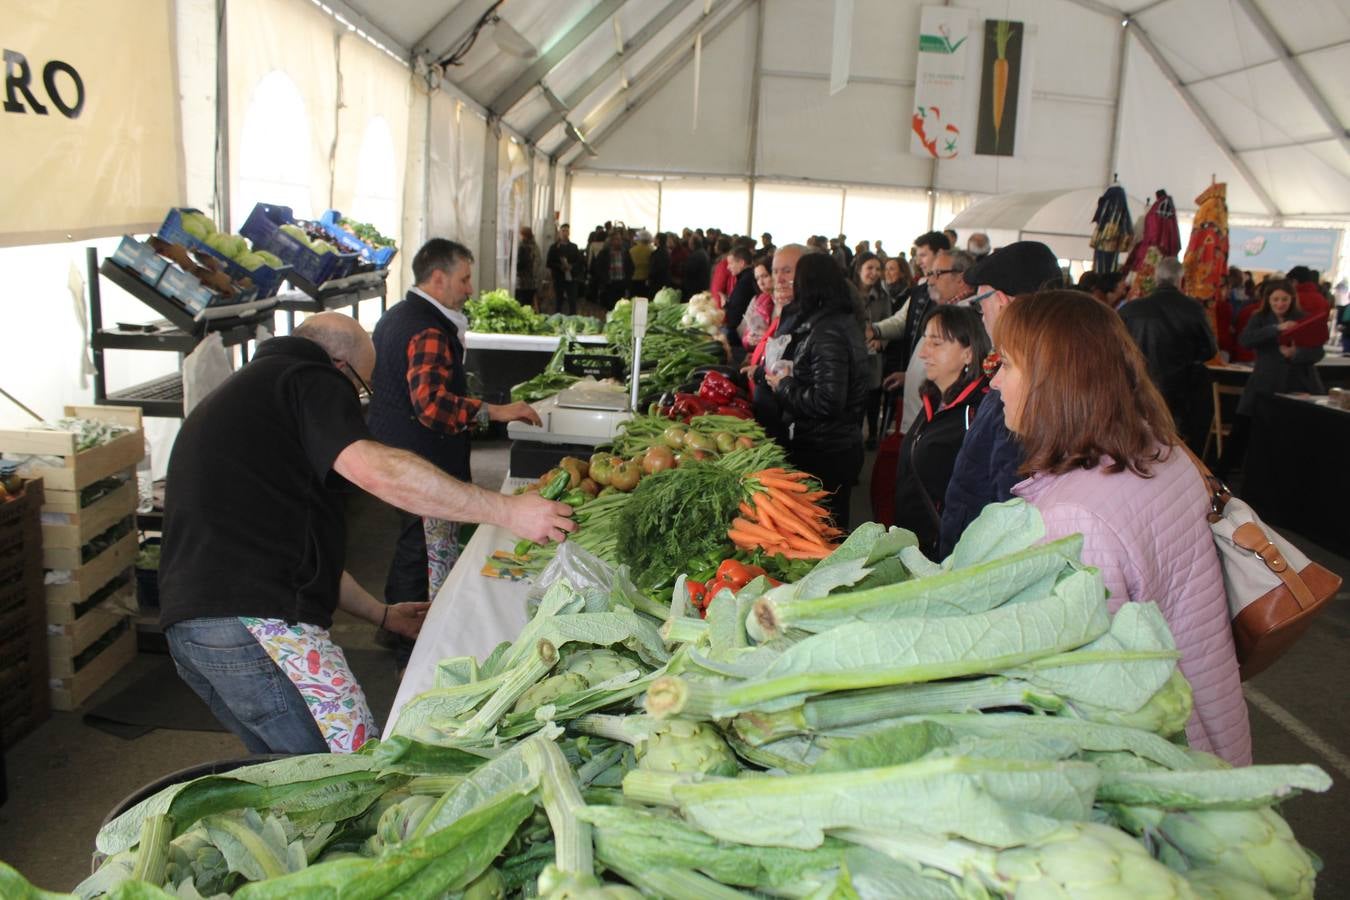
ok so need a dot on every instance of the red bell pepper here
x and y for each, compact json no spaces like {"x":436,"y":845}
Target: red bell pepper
{"x":718,"y":389}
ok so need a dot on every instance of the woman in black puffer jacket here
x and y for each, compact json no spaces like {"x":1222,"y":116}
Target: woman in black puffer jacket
{"x":953,"y":346}
{"x":823,"y":396}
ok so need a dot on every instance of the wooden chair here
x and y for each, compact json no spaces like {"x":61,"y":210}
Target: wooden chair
{"x":1217,"y":429}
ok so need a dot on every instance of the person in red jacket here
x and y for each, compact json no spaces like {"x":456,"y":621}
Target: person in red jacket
{"x":1314,"y":304}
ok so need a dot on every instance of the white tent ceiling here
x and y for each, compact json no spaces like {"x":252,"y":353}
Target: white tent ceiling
{"x":1165,"y":92}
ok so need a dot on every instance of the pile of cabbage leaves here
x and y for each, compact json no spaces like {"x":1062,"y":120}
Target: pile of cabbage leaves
{"x":886,"y":726}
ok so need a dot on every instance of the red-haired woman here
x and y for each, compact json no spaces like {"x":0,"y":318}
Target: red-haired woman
{"x":1104,"y":460}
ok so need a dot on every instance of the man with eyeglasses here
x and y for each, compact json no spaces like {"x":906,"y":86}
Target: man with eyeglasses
{"x":421,"y":403}
{"x":252,"y":568}
{"x":990,"y":458}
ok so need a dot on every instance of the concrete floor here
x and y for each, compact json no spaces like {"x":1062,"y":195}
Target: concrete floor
{"x":65,"y":776}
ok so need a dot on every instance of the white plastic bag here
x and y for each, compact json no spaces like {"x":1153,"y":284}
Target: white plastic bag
{"x":204,"y":370}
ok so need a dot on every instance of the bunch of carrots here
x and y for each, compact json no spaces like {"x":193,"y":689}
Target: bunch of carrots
{"x":781,"y":515}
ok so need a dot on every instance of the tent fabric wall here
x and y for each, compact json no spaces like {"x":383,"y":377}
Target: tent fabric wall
{"x":285,"y":36}
{"x":701,"y":202}
{"x":375,"y":100}
{"x":597,"y":199}
{"x":195,"y":34}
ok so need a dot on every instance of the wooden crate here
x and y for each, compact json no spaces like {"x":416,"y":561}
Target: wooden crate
{"x":70,"y":688}
{"x":24,"y":696}
{"x":88,"y":578}
{"x":68,"y":635}
{"x":72,"y":558}
{"x":96,"y":518}
{"x":80,"y":468}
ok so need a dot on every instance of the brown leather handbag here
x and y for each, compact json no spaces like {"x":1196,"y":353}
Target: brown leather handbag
{"x":1274,"y":591}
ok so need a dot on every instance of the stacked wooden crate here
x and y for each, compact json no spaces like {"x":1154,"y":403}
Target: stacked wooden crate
{"x":89,"y":629}
{"x":24,"y":702}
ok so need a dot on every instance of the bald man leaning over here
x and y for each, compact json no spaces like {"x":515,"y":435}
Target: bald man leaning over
{"x":254,"y":538}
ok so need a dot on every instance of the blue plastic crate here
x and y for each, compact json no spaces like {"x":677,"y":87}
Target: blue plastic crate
{"x":186,"y":289}
{"x":376,"y":256}
{"x":263,"y":228}
{"x":266,"y":280}
{"x":140,"y":258}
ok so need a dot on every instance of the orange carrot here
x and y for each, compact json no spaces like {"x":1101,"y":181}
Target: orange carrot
{"x":1000,"y":92}
{"x":797,"y":543}
{"x":782,"y":484}
{"x":762,"y":512}
{"x":808,"y":511}
{"x":746,"y":510}
{"x":1002,"y":34}
{"x":789,"y":522}
{"x":806,"y":554}
{"x":758,"y":531}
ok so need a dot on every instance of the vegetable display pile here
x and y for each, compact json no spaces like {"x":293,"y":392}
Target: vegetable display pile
{"x":497,"y":312}
{"x":886,"y":726}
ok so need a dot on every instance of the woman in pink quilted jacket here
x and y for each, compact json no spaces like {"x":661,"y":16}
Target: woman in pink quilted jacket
{"x":1103,"y":458}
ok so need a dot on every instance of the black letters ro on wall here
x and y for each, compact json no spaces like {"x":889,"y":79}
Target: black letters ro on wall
{"x":18,"y":74}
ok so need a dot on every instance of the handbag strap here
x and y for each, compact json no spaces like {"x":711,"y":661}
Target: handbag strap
{"x":1250,"y":536}
{"x":1219,"y":494}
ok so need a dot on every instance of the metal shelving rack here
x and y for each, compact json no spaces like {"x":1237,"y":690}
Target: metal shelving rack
{"x":312,"y":298}
{"x":178,"y":331}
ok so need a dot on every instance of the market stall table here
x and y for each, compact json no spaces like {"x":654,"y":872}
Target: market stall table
{"x":469,"y":616}
{"x":1333,"y":369}
{"x":1294,"y":474}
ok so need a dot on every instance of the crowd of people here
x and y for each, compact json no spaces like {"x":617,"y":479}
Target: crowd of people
{"x":983,"y":374}
{"x":978,"y":374}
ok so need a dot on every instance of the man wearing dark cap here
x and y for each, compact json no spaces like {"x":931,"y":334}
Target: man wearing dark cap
{"x":987,"y":466}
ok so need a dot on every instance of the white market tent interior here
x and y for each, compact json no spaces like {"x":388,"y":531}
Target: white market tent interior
{"x":674,"y":113}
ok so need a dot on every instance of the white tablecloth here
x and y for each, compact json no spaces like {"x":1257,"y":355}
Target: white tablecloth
{"x":470,"y":615}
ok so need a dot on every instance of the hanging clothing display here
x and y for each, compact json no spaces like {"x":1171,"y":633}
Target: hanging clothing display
{"x":1112,"y":232}
{"x":1206,"y":259}
{"x":1156,"y":238}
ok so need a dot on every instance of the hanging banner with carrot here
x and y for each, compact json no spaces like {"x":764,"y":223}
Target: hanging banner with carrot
{"x":1000,"y":88}
{"x":943,"y":118}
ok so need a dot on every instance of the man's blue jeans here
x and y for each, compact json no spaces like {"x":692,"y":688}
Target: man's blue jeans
{"x":227,"y":667}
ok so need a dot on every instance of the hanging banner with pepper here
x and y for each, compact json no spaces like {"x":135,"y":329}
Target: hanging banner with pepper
{"x":943,"y":116}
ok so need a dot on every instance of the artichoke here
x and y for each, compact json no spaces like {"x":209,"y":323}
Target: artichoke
{"x":1086,"y":861}
{"x":1216,"y":884}
{"x":679,"y":745}
{"x":548,"y":690}
{"x":555,"y":884}
{"x":1253,"y":845}
{"x":488,"y":886}
{"x":399,"y":821}
{"x":598,"y":666}
{"x":1165,"y":713}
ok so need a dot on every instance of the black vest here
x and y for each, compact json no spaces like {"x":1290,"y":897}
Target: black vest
{"x":392,"y":420}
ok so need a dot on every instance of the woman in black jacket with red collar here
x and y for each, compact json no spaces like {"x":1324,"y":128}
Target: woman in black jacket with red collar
{"x":953,"y":345}
{"x":821,"y":396}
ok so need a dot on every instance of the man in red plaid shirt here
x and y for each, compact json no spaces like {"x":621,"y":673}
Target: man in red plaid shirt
{"x":420,"y":402}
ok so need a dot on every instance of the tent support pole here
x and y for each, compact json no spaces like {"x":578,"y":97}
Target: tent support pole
{"x":1113,"y":165}
{"x":222,"y":121}
{"x":567,"y":195}
{"x":752,"y":144}
{"x":1298,"y":73}
{"x":843,"y":206}
{"x":530,"y":202}
{"x":551,"y":220}
{"x":660,"y":196}
{"x":487,"y":226}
